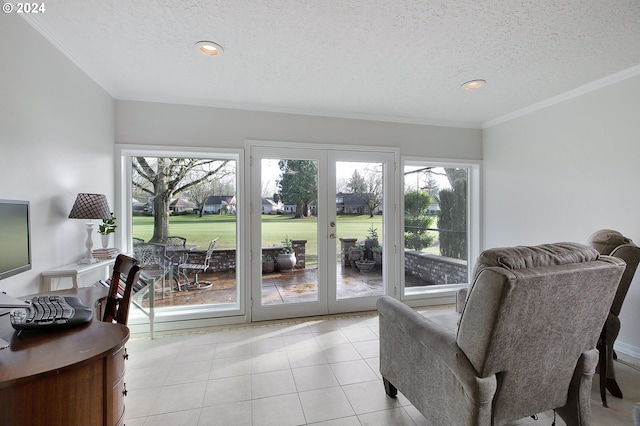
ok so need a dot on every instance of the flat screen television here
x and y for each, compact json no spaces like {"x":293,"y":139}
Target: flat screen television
{"x":15,"y":238}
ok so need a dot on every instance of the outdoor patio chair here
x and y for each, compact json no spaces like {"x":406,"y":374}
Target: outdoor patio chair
{"x":524,"y":343}
{"x":175,"y":257}
{"x":176,"y":241}
{"x":155,"y":265}
{"x":193,"y":264}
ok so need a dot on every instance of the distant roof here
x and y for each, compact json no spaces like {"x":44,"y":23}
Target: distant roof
{"x":220,"y":199}
{"x":350,"y":199}
{"x":182,"y":202}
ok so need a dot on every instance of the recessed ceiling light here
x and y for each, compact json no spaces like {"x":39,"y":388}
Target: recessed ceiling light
{"x":209,"y":48}
{"x":473,"y":84}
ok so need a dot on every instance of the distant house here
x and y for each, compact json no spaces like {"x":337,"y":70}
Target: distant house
{"x":289,"y":208}
{"x":433,"y":209}
{"x":349,"y":203}
{"x":180,"y":205}
{"x":138,"y":208}
{"x":220,"y":204}
{"x":271,"y":207}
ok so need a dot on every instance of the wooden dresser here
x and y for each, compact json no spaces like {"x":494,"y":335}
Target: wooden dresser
{"x":67,"y":377}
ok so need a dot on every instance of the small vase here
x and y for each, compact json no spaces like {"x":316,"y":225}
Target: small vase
{"x":105,"y":240}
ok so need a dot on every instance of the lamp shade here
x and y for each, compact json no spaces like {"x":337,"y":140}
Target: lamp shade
{"x":90,"y":206}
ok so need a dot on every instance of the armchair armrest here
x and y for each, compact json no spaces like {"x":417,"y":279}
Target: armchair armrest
{"x":461,"y":299}
{"x":423,"y":361}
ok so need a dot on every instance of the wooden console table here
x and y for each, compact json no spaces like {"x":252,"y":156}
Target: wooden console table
{"x":72,"y":376}
{"x":74,"y":271}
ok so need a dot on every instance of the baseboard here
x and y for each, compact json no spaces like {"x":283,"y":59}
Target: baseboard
{"x":626,"y":349}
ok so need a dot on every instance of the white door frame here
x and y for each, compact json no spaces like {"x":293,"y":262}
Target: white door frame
{"x":326,"y":155}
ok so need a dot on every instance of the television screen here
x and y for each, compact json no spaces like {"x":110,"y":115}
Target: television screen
{"x":15,"y":244}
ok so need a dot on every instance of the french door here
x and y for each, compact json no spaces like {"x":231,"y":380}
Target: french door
{"x":334,"y":210}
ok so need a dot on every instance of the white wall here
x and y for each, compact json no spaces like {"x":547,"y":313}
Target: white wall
{"x":56,"y":139}
{"x":563,"y":172}
{"x":181,"y":125}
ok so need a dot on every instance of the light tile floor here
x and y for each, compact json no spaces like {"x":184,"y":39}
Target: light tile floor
{"x":316,"y":371}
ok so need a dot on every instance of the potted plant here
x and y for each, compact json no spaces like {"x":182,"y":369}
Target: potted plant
{"x":365,"y":265}
{"x":286,"y":258}
{"x":356,"y":252}
{"x":107,"y":227}
{"x":377,"y":255}
{"x":371,"y":240}
{"x":268,"y":264}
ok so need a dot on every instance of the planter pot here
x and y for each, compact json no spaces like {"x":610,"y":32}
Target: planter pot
{"x":368,"y":245}
{"x":286,"y":261}
{"x":105,"y":240}
{"x":268,"y":266}
{"x":355,"y":255}
{"x":366,"y":265}
{"x":377,"y":257}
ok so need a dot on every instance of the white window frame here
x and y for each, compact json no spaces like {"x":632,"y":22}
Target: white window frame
{"x":445,"y":293}
{"x":183,"y":317}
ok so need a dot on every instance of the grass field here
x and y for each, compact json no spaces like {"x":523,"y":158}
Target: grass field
{"x":201,"y":230}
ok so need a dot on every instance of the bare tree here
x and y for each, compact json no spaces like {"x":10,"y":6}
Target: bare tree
{"x":164,"y":178}
{"x":368,"y":186}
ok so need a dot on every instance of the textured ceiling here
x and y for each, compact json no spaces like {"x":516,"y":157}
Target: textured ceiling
{"x":379,"y":59}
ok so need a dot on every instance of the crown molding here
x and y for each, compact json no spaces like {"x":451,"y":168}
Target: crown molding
{"x":579,"y":91}
{"x":38,"y":24}
{"x":294,"y":111}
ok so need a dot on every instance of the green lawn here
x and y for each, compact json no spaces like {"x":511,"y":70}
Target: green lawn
{"x":197,"y":230}
{"x":201,"y":230}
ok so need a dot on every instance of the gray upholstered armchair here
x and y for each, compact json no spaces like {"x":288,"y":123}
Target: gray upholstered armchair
{"x":524,"y":343}
{"x":613,"y":243}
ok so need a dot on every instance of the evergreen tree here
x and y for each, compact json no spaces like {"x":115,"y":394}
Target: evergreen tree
{"x":299,"y":184}
{"x":453,"y":217}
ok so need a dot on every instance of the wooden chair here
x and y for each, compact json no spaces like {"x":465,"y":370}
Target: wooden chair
{"x":125,"y":275}
{"x":613,"y":243}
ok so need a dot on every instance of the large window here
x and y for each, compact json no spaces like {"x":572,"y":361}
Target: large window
{"x":180,"y":219}
{"x":440,"y":221}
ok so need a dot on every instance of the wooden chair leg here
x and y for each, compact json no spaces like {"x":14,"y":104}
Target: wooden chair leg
{"x":602,"y":367}
{"x":389,"y":388}
{"x":613,"y":388}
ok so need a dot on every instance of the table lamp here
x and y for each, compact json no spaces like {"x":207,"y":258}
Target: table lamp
{"x":90,"y":206}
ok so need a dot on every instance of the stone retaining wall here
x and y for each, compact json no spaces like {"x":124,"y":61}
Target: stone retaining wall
{"x":429,"y":268}
{"x":434,"y":269}
{"x":225,"y":259}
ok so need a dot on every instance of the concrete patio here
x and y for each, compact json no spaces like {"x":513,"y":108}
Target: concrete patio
{"x":277,"y":287}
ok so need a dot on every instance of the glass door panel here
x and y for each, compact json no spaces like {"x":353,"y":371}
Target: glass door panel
{"x":288,"y":224}
{"x":289,"y":231}
{"x":318,"y":203}
{"x":359,"y":212}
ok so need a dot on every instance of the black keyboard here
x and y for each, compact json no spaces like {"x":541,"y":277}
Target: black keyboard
{"x":51,"y":312}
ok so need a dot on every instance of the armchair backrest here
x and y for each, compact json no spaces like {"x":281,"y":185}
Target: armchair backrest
{"x":630,"y":253}
{"x":613,"y":243}
{"x":530,"y":314}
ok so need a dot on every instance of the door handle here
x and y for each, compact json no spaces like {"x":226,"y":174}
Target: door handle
{"x":332,"y":236}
